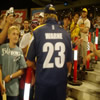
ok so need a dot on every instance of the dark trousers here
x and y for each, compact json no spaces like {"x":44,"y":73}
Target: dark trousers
{"x":50,"y":92}
{"x":12,"y":97}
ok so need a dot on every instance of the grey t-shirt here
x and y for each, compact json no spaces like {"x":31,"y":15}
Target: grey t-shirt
{"x":12,"y":60}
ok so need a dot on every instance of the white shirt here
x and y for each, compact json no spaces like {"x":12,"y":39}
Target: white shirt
{"x":86,"y":24}
{"x":26,"y":40}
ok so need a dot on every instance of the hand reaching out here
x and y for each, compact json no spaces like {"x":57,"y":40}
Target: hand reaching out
{"x":92,"y":46}
{"x":78,"y":41}
{"x":10,"y":19}
{"x":88,"y":57}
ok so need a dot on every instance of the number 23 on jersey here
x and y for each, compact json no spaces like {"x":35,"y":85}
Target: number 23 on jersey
{"x":50,"y":49}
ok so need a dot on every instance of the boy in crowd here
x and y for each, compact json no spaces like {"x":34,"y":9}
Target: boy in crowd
{"x":14,"y":66}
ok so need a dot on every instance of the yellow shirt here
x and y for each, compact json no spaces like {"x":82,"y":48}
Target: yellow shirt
{"x":75,"y":31}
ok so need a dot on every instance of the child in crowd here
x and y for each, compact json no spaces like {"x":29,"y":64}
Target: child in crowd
{"x":12,"y":64}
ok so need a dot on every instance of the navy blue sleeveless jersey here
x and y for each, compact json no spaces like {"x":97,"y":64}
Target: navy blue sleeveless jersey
{"x":52,"y":47}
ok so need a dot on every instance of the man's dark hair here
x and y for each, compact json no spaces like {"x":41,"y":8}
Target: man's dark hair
{"x":66,"y":16}
{"x":26,"y":20}
{"x":75,"y":13}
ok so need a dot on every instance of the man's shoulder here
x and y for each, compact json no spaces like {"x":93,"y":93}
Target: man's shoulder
{"x":80,"y":20}
{"x":39,"y":27}
{"x":87,"y":20}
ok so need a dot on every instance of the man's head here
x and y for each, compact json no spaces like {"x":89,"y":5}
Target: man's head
{"x":13,"y":34}
{"x":41,"y":18}
{"x":34,"y":24}
{"x":26,"y":24}
{"x":66,"y":20}
{"x":50,"y":12}
{"x":76,"y":17}
{"x":84,"y":13}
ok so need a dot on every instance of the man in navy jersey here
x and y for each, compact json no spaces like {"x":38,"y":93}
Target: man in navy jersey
{"x":52,"y":47}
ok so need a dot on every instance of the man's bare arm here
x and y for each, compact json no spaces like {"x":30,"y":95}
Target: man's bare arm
{"x":3,"y":34}
{"x":97,"y":53}
{"x":69,"y":66}
{"x":31,"y":64}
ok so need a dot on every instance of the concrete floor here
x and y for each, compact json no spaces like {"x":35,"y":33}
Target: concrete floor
{"x":90,"y":88}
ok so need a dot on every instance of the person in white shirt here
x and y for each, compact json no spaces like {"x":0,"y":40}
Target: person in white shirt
{"x":41,"y":18}
{"x":84,"y":25}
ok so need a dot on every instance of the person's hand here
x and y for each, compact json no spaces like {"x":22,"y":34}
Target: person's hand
{"x":10,"y":19}
{"x":7,"y":78}
{"x":88,"y":57}
{"x":92,"y":46}
{"x":3,"y":90}
{"x":78,"y":41}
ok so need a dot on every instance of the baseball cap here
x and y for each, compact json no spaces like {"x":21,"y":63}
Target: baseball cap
{"x":84,"y":10}
{"x":50,"y":9}
{"x":41,"y":14}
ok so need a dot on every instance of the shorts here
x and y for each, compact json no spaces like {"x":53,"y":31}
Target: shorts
{"x":83,"y":49}
{"x":50,"y":92}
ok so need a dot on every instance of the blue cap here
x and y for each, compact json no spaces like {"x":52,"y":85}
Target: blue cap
{"x":50,"y":9}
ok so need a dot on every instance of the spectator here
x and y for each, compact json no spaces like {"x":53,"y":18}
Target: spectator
{"x":74,"y":28}
{"x":25,"y":28}
{"x":84,"y":25}
{"x":34,"y":24}
{"x":24,"y":45}
{"x":5,"y":22}
{"x":41,"y":18}
{"x":91,"y":17}
{"x":97,"y":24}
{"x":66,"y":23}
{"x":14,"y":66}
